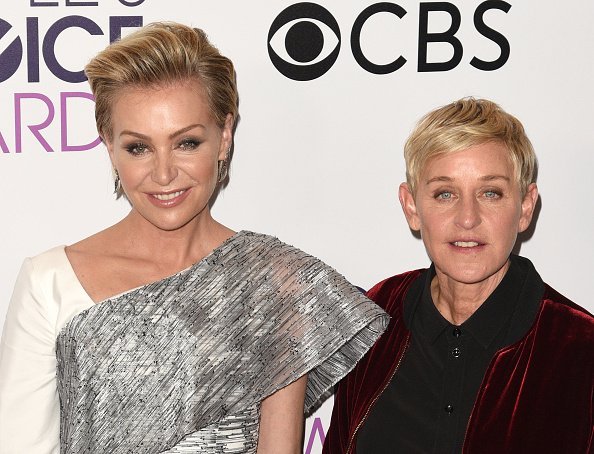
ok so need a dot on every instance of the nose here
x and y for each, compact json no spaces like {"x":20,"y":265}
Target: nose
{"x":468,"y":213}
{"x":164,"y":169}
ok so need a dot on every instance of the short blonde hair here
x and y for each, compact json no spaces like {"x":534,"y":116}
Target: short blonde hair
{"x":162,"y":53}
{"x":463,"y":124}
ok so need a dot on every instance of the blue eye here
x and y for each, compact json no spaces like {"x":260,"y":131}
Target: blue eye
{"x":492,"y":194}
{"x":444,"y":195}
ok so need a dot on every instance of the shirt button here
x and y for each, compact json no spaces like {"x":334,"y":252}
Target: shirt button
{"x":456,"y":332}
{"x":449,"y":409}
{"x":456,"y":352}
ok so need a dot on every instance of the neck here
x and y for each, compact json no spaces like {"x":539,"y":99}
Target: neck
{"x":170,"y":249}
{"x":457,"y":301}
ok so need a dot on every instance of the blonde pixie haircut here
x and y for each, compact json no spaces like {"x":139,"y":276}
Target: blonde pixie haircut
{"x":461,"y":125}
{"x":156,"y":54}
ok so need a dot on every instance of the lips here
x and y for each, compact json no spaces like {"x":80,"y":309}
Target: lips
{"x":168,"y":199}
{"x":466,"y":244}
{"x":170,"y":196}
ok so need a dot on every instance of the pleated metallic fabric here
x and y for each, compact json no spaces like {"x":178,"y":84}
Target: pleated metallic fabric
{"x":181,"y":365}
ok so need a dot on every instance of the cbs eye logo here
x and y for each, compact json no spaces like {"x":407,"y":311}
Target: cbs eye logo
{"x":304,"y":41}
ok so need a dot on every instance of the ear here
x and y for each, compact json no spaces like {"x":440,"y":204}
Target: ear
{"x":528,"y":205}
{"x":407,"y":201}
{"x":226,"y":137}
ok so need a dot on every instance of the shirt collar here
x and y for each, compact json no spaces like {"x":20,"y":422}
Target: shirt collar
{"x":486,"y":322}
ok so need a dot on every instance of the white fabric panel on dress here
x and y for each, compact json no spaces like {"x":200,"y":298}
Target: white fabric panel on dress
{"x":46,"y":296}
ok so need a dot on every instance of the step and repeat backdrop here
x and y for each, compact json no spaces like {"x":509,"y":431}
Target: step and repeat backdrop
{"x":329,"y":92}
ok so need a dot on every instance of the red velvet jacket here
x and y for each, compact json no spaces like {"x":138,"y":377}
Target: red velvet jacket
{"x":537,"y":395}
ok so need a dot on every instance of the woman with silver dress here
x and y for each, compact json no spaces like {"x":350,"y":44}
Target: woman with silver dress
{"x":169,"y":332}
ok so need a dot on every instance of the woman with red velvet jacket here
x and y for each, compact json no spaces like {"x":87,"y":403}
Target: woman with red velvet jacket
{"x":480,"y":355}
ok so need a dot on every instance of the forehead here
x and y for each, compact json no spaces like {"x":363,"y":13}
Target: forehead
{"x":486,"y":159}
{"x":160,"y":104}
{"x":191,"y":88}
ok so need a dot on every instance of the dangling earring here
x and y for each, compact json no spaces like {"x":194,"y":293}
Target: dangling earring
{"x":223,"y":170}
{"x":117,"y":184}
{"x":223,"y":167}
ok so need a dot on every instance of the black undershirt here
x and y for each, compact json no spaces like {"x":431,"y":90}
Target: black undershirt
{"x":427,"y":404}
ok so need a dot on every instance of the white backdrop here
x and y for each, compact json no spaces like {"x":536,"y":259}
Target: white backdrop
{"x":318,"y":162}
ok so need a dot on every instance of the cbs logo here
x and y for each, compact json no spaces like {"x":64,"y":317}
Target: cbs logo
{"x":304,"y":39}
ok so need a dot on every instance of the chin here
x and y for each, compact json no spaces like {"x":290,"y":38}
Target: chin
{"x":473,"y":274}
{"x":169,"y":225}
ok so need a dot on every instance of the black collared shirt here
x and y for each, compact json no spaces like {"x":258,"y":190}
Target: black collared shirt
{"x":427,"y":404}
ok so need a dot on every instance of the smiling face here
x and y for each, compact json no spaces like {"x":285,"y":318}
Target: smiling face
{"x":469,"y":210}
{"x":166,"y":147}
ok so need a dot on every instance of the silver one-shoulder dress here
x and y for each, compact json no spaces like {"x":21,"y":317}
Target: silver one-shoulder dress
{"x":181,"y":365}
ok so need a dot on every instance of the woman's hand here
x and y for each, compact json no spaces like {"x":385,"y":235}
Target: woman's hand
{"x":281,"y":420}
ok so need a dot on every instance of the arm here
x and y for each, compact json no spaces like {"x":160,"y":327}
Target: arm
{"x":29,"y":405}
{"x":281,"y":420}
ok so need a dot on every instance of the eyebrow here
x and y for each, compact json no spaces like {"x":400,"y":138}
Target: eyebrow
{"x":483,"y":178}
{"x":171,"y":136}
